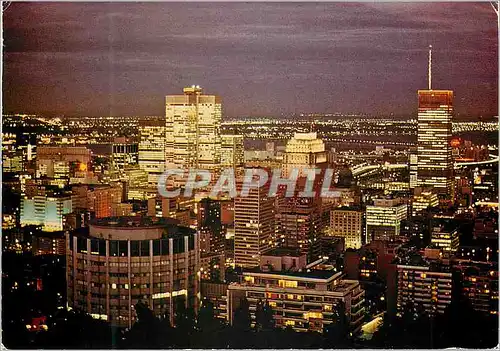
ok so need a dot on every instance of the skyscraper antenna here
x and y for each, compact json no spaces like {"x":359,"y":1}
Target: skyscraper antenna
{"x":430,"y":67}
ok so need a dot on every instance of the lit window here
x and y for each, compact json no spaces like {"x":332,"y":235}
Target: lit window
{"x":309,"y":315}
{"x":287,"y":283}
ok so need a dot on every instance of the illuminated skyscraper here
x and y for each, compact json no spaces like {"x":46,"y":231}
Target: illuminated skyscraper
{"x":193,"y":130}
{"x":253,"y":226}
{"x":435,"y":163}
{"x":302,"y":152}
{"x":232,"y":152}
{"x":211,"y":239}
{"x":152,"y":147}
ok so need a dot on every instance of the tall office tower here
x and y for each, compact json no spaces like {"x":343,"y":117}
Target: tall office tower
{"x":232,"y":152}
{"x":302,"y":152}
{"x":254,"y":228}
{"x":210,"y":227}
{"x":300,"y":223}
{"x":193,"y":130}
{"x":413,"y":166}
{"x":152,"y":147}
{"x":435,"y":163}
{"x":383,"y":219}
{"x":212,"y":239}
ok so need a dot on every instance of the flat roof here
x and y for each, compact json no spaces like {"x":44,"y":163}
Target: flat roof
{"x":283,"y":251}
{"x":134,"y":222}
{"x":310,"y":274}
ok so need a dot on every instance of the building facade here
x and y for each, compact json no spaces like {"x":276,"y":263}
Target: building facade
{"x":434,"y":134}
{"x":424,"y":288}
{"x":117,"y":262}
{"x":232,"y":152}
{"x":383,"y":219}
{"x":348,"y":223}
{"x":152,"y":150}
{"x":304,"y":301}
{"x":304,"y":151}
{"x":422,"y":200}
{"x":212,"y":239}
{"x":124,"y":154}
{"x":193,"y":130}
{"x":45,"y":210}
{"x":254,"y":226}
{"x":446,"y":239}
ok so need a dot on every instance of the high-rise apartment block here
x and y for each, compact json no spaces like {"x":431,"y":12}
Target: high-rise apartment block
{"x":212,"y":238}
{"x":117,"y":262}
{"x":424,"y":286}
{"x":97,"y":198}
{"x":300,"y":222}
{"x":304,"y":301}
{"x":479,"y":284}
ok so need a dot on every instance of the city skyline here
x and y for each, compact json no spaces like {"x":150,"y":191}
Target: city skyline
{"x":264,"y":59}
{"x":238,"y":176}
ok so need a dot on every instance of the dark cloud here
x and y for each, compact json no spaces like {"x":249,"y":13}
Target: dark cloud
{"x":262,"y":58}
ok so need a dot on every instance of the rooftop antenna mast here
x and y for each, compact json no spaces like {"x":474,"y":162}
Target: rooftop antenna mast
{"x":430,"y":67}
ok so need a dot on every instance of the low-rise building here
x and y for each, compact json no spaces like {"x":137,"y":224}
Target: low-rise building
{"x":445,"y":238}
{"x":383,"y":219}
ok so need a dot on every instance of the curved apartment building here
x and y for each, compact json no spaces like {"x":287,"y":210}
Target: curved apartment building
{"x":117,"y":262}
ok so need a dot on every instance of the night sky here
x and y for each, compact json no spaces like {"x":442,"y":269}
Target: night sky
{"x":262,"y":58}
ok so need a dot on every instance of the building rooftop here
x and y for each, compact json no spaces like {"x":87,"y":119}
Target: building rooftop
{"x":307,"y":274}
{"x":283,"y":251}
{"x":133,"y":228}
{"x":133,"y":222}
